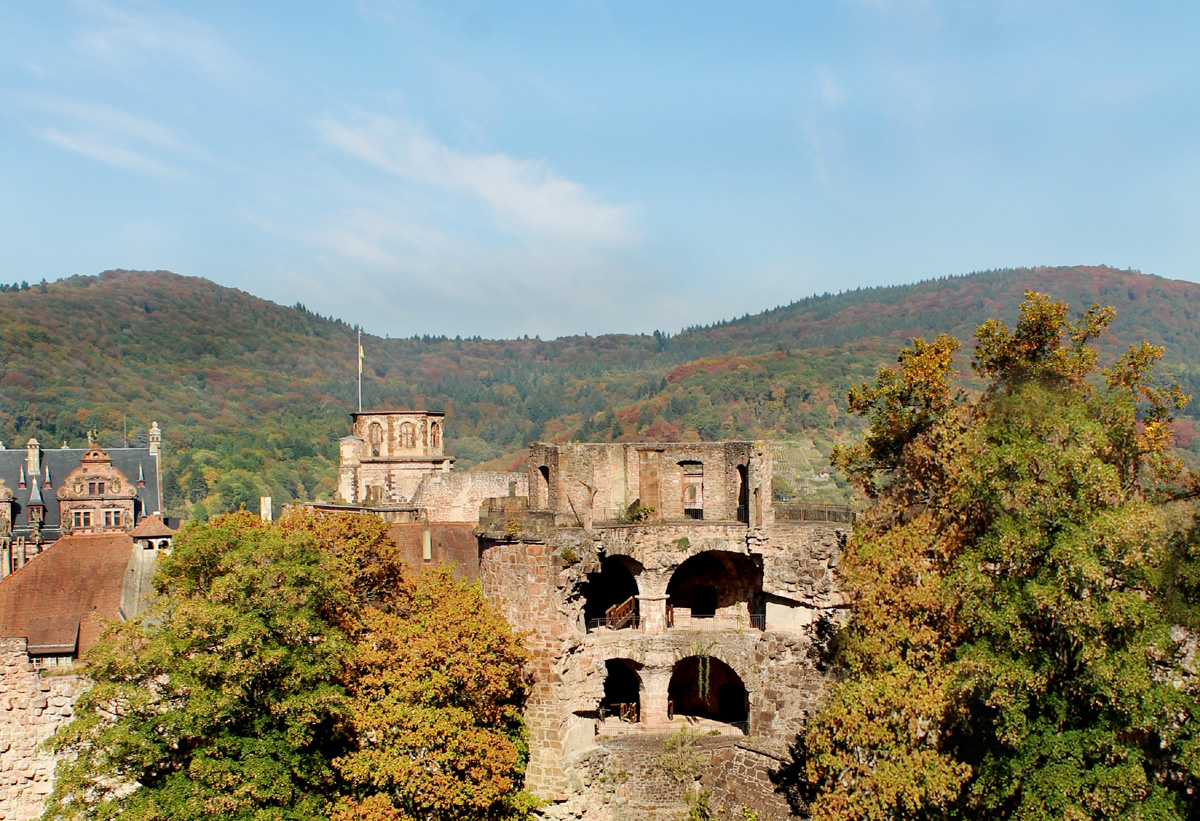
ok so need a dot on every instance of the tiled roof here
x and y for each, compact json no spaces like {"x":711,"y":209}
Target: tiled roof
{"x":152,"y":527}
{"x":59,"y":599}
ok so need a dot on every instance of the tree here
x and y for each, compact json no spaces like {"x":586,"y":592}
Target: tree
{"x":1009,"y":654}
{"x":437,"y":741}
{"x":222,"y":701}
{"x":292,"y":668}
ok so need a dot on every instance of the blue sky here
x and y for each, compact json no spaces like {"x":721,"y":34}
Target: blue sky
{"x":567,"y":167}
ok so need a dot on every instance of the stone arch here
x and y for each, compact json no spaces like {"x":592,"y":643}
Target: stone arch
{"x":435,"y":435}
{"x":622,"y":690}
{"x":716,"y":585}
{"x":613,"y":584}
{"x":705,"y":687}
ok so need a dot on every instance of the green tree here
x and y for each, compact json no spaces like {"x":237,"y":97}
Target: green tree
{"x":226,"y":694}
{"x":1008,"y":654}
{"x":291,"y":670}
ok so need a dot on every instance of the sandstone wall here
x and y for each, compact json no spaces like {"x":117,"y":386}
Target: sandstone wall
{"x":457,"y":497}
{"x":32,"y":708}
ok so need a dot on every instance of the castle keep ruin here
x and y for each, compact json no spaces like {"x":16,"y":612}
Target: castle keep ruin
{"x":659,"y":586}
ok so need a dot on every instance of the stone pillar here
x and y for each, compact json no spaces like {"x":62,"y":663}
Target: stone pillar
{"x":6,"y":559}
{"x":653,"y":613}
{"x":655,"y":684}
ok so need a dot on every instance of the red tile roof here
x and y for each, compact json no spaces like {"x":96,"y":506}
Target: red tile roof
{"x":59,"y":599}
{"x":152,"y":527}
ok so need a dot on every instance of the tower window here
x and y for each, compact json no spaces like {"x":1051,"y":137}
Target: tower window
{"x":435,"y":435}
{"x":408,"y":436}
{"x":375,"y":437}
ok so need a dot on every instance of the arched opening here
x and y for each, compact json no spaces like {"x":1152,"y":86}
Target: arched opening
{"x":408,"y":436}
{"x":704,"y":687}
{"x":717,"y":590}
{"x":375,"y":437}
{"x":743,"y":497}
{"x":610,"y":595}
{"x":543,"y":489}
{"x":435,"y":435}
{"x":622,"y":691}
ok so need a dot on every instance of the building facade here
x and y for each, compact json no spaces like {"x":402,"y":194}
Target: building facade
{"x":49,"y":493}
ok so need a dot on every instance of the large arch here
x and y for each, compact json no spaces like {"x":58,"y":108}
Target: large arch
{"x":622,"y":690}
{"x":705,"y":687}
{"x":717,"y":582}
{"x":613,"y":585}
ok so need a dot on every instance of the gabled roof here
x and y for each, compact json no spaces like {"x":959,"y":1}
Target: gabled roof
{"x":60,"y":598}
{"x":152,"y":527}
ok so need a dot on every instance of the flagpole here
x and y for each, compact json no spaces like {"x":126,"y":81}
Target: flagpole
{"x":360,"y":360}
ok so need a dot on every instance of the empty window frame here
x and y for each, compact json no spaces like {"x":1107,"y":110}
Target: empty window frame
{"x":408,"y":436}
{"x":692,"y":488}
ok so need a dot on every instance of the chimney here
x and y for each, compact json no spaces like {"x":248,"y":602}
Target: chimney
{"x":33,"y":458}
{"x":155,"y":438}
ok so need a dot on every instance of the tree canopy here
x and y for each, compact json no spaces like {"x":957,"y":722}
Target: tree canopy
{"x":1010,"y":651}
{"x":272,"y":677}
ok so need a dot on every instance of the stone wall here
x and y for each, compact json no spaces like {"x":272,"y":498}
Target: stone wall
{"x":32,"y":708}
{"x":457,"y":497}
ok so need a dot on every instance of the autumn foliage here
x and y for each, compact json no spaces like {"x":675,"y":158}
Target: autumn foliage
{"x":1012,"y":651}
{"x":296,"y":671}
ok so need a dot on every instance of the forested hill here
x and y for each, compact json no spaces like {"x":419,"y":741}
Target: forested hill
{"x":253,"y":396}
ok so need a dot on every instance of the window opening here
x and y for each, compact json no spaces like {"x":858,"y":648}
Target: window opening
{"x":408,"y":436}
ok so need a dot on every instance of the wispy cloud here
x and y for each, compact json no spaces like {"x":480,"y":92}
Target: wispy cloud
{"x":110,"y":154}
{"x":525,"y":196}
{"x":122,"y":34}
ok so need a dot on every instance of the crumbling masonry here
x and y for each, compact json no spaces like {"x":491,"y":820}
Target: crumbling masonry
{"x":659,"y":587}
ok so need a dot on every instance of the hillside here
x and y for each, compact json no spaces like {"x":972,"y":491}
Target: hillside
{"x":253,"y":396}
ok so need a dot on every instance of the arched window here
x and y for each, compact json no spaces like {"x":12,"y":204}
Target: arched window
{"x":435,"y":435}
{"x":375,"y":437}
{"x":408,"y":436}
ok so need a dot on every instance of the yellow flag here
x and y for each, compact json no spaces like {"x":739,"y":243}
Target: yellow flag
{"x":360,"y":360}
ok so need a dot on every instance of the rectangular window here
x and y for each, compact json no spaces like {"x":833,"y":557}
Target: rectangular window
{"x":112,"y":518}
{"x":82,"y":518}
{"x":91,"y":488}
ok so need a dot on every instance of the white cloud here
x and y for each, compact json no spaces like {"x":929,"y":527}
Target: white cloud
{"x":524,"y":196}
{"x":110,"y":154}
